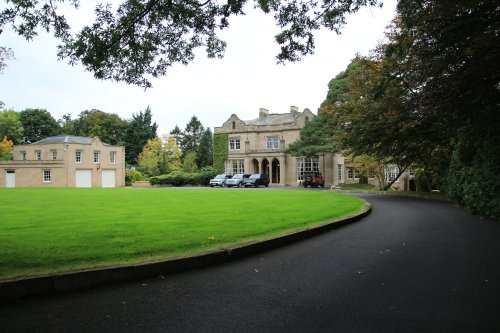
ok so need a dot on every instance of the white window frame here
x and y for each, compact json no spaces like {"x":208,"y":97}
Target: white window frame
{"x":53,"y":155}
{"x":236,"y":166}
{"x":97,"y":156}
{"x":272,"y":143}
{"x":112,"y":157}
{"x":306,"y":164}
{"x":234,"y":144}
{"x":391,"y":172}
{"x":23,"y":156}
{"x":78,"y":156}
{"x":47,"y":176}
{"x":351,"y":173}
{"x":38,"y":155}
{"x":340,"y":172}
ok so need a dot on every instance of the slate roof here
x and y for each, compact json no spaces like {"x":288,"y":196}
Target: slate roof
{"x":65,"y":139}
{"x":273,"y":119}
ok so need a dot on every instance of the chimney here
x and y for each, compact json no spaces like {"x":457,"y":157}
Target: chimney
{"x":294,"y":110}
{"x":263,"y":113}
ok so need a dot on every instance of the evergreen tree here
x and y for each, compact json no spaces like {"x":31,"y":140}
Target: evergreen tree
{"x":191,"y":135}
{"x":204,"y":153}
{"x":140,"y":130}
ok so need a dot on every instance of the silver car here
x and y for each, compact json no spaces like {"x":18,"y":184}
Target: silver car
{"x":237,"y":180}
{"x":219,"y":180}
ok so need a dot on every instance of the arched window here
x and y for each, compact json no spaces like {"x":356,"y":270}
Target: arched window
{"x":307,"y":118}
{"x":234,"y":124}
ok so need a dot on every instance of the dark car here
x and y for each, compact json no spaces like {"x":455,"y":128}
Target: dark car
{"x":256,"y":180}
{"x":313,"y":179}
{"x":237,"y":180}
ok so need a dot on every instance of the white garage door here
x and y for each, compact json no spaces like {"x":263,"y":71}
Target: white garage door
{"x":108,"y":178}
{"x":83,"y":178}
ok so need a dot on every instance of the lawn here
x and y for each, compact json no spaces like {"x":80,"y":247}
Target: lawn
{"x":44,"y":231}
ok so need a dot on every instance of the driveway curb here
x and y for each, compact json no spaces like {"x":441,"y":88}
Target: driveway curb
{"x":14,"y":289}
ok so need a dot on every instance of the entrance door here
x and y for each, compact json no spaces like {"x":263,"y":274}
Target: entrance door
{"x":10,"y":179}
{"x":83,"y":178}
{"x":108,"y":178}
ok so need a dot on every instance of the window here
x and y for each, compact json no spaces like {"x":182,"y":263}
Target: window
{"x":307,"y":164}
{"x":38,"y":155}
{"x":351,"y":173}
{"x":235,"y":166}
{"x":23,"y":156}
{"x":371,"y":173}
{"x":53,"y":155}
{"x":96,"y":157}
{"x":234,"y":144}
{"x":234,"y":125}
{"x":112,"y":157}
{"x":47,"y":177}
{"x":391,"y":172}
{"x":78,"y":157}
{"x":340,"y":173}
{"x":272,"y":142}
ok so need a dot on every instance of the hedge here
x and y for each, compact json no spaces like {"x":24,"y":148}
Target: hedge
{"x":181,"y":178}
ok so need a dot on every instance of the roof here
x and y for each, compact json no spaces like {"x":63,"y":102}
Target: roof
{"x":65,"y":139}
{"x":273,"y":119}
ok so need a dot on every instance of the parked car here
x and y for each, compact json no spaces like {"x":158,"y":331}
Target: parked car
{"x":219,"y":180}
{"x":256,"y":180}
{"x":237,"y":180}
{"x":313,"y":179}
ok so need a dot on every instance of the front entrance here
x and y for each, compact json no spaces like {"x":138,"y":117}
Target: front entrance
{"x":10,"y":179}
{"x":275,"y":171}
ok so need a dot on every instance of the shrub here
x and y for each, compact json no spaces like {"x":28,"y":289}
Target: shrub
{"x":180,"y":178}
{"x":422,"y":182}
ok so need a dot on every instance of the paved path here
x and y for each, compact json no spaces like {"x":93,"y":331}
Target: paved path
{"x":411,"y":266}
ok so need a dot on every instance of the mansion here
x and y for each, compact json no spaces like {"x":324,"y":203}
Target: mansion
{"x":259,"y":146}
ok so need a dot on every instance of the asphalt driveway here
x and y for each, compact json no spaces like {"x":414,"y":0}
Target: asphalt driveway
{"x":413,"y":265}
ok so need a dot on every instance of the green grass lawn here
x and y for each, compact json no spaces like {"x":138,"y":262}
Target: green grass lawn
{"x":44,"y":231}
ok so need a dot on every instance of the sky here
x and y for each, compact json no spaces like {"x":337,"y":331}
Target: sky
{"x":246,"y":79}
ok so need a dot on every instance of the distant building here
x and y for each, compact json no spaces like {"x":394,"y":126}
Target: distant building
{"x":259,"y":145}
{"x":65,"y":161}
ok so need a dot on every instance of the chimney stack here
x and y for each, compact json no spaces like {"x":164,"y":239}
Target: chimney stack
{"x":263,"y":113}
{"x":294,"y":110}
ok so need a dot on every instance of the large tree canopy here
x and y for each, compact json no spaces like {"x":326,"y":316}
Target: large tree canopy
{"x":38,"y":124}
{"x":143,"y":38}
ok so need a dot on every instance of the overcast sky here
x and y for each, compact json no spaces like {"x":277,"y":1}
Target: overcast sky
{"x":246,"y":79}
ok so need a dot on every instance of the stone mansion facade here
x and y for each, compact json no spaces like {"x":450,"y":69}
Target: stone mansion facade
{"x":259,"y":146}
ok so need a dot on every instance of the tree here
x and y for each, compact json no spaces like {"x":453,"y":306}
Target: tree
{"x":38,"y":124}
{"x":139,"y":131}
{"x":191,"y":135}
{"x":204,"y":153}
{"x":173,"y":154}
{"x":10,"y":126}
{"x":144,"y":38}
{"x":67,"y":125}
{"x":317,"y":136}
{"x":109,"y":127}
{"x":6,"y":149}
{"x":151,"y":161}
{"x":5,"y":54}
{"x":189,"y":162}
{"x":366,"y":165}
{"x":177,"y":134}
